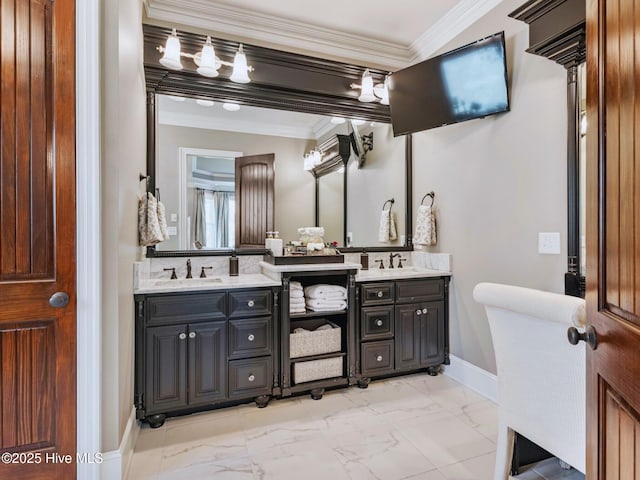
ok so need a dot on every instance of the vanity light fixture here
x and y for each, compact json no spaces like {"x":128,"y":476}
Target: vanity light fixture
{"x":358,"y":121}
{"x":206,"y":60}
{"x":369,"y":92}
{"x":176,"y":98}
{"x":338,"y":120}
{"x":205,"y":103}
{"x":312,"y":159}
{"x":231,"y":107}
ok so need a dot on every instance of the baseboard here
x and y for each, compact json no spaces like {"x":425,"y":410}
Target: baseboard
{"x":116,"y":462}
{"x":475,"y":378}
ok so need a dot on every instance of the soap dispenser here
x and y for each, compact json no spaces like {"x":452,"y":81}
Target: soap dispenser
{"x":233,"y":265}
{"x":364,"y":260}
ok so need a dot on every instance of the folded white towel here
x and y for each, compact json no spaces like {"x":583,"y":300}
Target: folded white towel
{"x":300,"y":330}
{"x":295,"y":286}
{"x":326,"y":326}
{"x":321,"y":289}
{"x":296,"y":301}
{"x":342,"y":295}
{"x":387,"y":231}
{"x":149,"y":230}
{"x":301,"y":309}
{"x":296,"y":294}
{"x":318,"y":305}
{"x":425,"y":226}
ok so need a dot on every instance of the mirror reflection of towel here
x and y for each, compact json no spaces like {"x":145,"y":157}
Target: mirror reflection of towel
{"x":152,"y":224}
{"x":425,"y":226}
{"x":387,"y":231}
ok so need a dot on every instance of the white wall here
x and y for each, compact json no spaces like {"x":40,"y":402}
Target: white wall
{"x":124,"y":156}
{"x":294,"y":188}
{"x":498,"y":182}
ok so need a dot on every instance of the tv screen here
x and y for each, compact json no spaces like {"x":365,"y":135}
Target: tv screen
{"x":466,"y":83}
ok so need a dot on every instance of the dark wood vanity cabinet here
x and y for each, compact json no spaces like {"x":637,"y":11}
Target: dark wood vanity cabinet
{"x":196,"y":350}
{"x":403,"y":326}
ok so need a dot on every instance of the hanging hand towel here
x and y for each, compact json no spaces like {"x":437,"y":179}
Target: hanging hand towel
{"x":148,"y":225}
{"x":387,"y":231}
{"x":162,"y":221}
{"x":425,"y":226}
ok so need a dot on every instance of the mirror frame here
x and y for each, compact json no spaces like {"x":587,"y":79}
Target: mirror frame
{"x":277,"y":83}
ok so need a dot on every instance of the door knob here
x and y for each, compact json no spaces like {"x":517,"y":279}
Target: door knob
{"x":589,"y":337}
{"x":59,"y":300}
{"x":192,"y":334}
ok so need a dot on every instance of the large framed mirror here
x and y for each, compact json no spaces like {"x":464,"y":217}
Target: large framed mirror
{"x":196,"y":134}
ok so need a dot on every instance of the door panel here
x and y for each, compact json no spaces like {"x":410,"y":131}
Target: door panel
{"x":207,"y":362}
{"x":613,"y":237}
{"x":167,"y":368}
{"x":37,"y":233}
{"x":407,"y":337}
{"x":432,"y":334}
{"x":254,"y":176}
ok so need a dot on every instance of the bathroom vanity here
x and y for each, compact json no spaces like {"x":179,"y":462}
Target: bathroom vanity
{"x":211,"y":343}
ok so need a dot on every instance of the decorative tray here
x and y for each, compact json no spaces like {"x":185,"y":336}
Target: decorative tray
{"x":302,"y":259}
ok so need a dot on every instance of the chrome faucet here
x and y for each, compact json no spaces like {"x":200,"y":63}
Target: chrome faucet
{"x":391,"y":257}
{"x":189,"y":268}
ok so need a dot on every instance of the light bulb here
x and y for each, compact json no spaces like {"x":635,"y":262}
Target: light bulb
{"x":171,"y":57}
{"x":205,"y":103}
{"x":337,"y":120}
{"x":358,"y":121}
{"x":308,"y":162}
{"x":231,"y":107}
{"x":317,"y":157}
{"x":240,"y":69}
{"x":208,"y":67}
{"x":176,"y":98}
{"x":366,"y":94}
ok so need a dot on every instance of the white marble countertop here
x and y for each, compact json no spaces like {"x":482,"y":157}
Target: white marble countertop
{"x":308,"y":267}
{"x":376,"y":274}
{"x":216,"y":282}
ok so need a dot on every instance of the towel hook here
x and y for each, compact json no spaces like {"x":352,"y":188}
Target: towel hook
{"x":433,"y":198}
{"x":391,"y":201}
{"x":145,"y":178}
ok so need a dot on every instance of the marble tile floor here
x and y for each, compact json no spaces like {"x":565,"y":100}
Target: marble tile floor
{"x":415,"y":427}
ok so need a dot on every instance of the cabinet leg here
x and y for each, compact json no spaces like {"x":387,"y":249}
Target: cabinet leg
{"x":156,"y":421}
{"x":316,"y":393}
{"x":262,"y":401}
{"x":433,"y":371}
{"x":363,"y":382}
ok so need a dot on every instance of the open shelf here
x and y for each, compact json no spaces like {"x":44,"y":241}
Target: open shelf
{"x":312,"y":314}
{"x":317,"y":357}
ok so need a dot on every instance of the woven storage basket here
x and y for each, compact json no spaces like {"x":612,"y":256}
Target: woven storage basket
{"x":315,"y":342}
{"x":317,"y":369}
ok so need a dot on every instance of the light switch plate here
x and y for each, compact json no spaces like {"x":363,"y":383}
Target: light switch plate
{"x":172,"y":231}
{"x":174,"y":217}
{"x":549,"y":243}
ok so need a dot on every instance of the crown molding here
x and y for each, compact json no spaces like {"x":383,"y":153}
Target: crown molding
{"x":228,"y":20}
{"x":453,"y":23}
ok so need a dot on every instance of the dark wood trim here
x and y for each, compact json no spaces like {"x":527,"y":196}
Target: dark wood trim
{"x":408,"y":191}
{"x":573,"y":169}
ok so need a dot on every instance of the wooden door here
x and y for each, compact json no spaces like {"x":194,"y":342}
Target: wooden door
{"x":254,"y":177}
{"x":432,"y":334}
{"x":37,"y":237}
{"x":407,"y":337}
{"x":207,"y":363}
{"x":613,"y":238}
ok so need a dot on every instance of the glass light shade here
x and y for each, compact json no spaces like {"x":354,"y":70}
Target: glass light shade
{"x":240,"y":72}
{"x":231,"y":107}
{"x":176,"y":98}
{"x":208,"y":67}
{"x":205,"y":103}
{"x":366,"y":94}
{"x":308,"y":162}
{"x":337,"y":120}
{"x":381,"y":90}
{"x":317,"y":157}
{"x":171,"y":57}
{"x":358,"y":121}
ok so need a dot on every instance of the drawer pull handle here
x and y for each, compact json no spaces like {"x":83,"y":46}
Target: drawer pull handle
{"x":251,"y":377}
{"x":251,"y":303}
{"x":379,"y":322}
{"x":425,"y":311}
{"x":192,"y":334}
{"x":379,"y":358}
{"x":380,"y":294}
{"x":182,"y":336}
{"x":419,"y":312}
{"x":251,"y":337}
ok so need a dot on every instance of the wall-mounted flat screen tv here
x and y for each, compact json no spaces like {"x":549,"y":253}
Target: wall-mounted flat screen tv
{"x":466,"y":83}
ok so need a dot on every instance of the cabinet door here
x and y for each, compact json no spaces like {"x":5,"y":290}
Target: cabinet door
{"x":407,"y":337}
{"x":207,"y":362}
{"x":166,"y":368}
{"x":432,"y":334}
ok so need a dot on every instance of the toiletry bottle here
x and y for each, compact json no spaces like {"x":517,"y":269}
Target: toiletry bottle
{"x":364,"y":260}
{"x":233,"y":265}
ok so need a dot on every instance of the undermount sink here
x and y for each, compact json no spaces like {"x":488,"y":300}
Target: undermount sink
{"x":185,"y":282}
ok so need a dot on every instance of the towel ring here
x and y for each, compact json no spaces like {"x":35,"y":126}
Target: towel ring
{"x":433,"y":198}
{"x":391,"y":201}
{"x":145,"y":178}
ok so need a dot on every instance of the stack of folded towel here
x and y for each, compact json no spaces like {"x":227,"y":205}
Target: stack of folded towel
{"x":296,"y":298}
{"x":324,"y":297}
{"x":326,"y":326}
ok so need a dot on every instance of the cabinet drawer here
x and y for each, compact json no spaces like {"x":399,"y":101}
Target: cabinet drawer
{"x":419,"y":290}
{"x":377,"y":357}
{"x":250,"y":337}
{"x":376,"y":322}
{"x":251,"y":377}
{"x":377,"y":293}
{"x":185,"y":308}
{"x":249,"y":303}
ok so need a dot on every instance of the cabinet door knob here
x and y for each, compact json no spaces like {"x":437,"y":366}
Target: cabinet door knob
{"x":59,"y":300}
{"x":379,"y":322}
{"x":182,"y":336}
{"x":380,"y":294}
{"x":379,"y":358}
{"x":251,"y":303}
{"x":418,"y":312}
{"x":251,"y":337}
{"x":251,"y":377}
{"x":425,"y":310}
{"x":192,"y":334}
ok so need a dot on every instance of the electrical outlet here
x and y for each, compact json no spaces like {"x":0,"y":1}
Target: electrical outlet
{"x":549,"y":243}
{"x":174,"y":217}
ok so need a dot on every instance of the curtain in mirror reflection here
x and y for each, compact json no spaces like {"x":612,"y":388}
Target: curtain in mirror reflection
{"x":214,"y":219}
